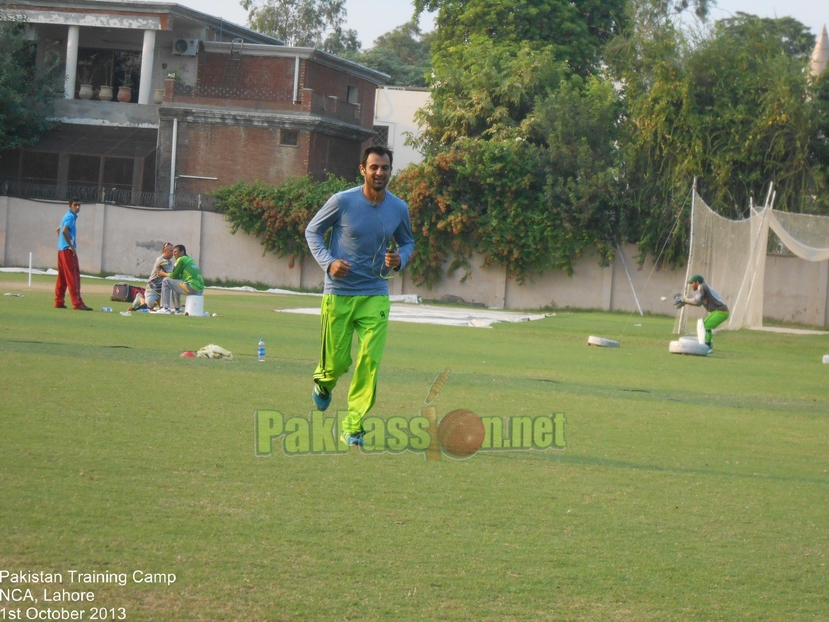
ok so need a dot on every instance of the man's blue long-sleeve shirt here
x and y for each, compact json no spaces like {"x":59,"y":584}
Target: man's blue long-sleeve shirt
{"x":360,"y":234}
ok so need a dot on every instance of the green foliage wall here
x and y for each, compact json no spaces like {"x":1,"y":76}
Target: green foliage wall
{"x":277,"y":215}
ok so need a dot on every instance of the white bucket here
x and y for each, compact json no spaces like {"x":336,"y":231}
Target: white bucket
{"x":826,"y":358}
{"x":194,"y":305}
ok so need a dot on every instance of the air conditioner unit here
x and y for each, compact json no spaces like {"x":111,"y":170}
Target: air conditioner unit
{"x":186,"y":47}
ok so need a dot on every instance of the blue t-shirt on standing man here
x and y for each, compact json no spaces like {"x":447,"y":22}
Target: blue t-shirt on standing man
{"x":69,"y":220}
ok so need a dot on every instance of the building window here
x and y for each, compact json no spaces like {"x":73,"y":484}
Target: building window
{"x":84,"y":170}
{"x":353,"y":96}
{"x":118,"y":173}
{"x":289,"y":138}
{"x":381,"y":136}
{"x":40,"y":168}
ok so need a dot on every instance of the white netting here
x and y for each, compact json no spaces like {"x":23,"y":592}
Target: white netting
{"x":719,"y":251}
{"x":807,"y":236}
{"x":731,"y":255}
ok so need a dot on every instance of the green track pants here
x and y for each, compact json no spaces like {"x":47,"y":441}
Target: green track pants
{"x":340,"y":317}
{"x":711,"y":322}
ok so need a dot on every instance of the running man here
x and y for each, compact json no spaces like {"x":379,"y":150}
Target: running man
{"x":358,"y":262}
{"x":713,"y":303}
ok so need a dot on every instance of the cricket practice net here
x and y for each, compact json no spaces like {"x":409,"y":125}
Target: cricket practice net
{"x":731,"y":255}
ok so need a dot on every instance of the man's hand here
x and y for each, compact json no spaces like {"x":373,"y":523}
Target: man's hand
{"x":65,"y":234}
{"x":339,"y":268}
{"x":678,"y":301}
{"x":392,"y":260}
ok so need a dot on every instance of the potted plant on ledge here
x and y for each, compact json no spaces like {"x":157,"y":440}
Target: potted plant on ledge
{"x":86,"y":69}
{"x":105,"y":90}
{"x":130,"y":65}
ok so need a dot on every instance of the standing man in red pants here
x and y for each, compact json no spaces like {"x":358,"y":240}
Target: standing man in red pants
{"x":69,"y":271}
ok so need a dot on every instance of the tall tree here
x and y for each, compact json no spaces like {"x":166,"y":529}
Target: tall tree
{"x":301,"y":23}
{"x":25,"y":92}
{"x":529,"y":203}
{"x":403,"y":53}
{"x":342,"y":42}
{"x":820,"y":137}
{"x":792,"y":37}
{"x":486,"y":90}
{"x":491,"y":59}
{"x":736,"y":125}
{"x":576,"y":30}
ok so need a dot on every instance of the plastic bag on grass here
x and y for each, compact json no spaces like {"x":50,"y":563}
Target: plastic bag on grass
{"x":212,"y":351}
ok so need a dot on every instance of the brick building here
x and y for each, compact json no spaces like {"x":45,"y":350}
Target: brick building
{"x":266,"y":112}
{"x":211,"y":103}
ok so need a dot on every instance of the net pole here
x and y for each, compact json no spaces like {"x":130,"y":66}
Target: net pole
{"x":680,"y":325}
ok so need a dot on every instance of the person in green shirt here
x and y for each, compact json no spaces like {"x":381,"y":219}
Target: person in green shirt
{"x":185,"y":279}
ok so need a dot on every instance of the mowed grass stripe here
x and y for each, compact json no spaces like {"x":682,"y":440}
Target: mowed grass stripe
{"x":690,"y":489}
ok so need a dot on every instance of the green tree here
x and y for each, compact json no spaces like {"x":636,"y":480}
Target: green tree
{"x":521,"y":137}
{"x":302,"y":23}
{"x":820,"y":138}
{"x":493,"y":58}
{"x":342,"y":42}
{"x":485,"y":91}
{"x":792,"y":37}
{"x":576,"y":30}
{"x":25,"y":92}
{"x":404,"y":54}
{"x":529,"y":203}
{"x":735,"y":125}
{"x":277,"y":215}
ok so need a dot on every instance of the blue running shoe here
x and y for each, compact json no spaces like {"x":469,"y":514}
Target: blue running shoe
{"x":352,"y":438}
{"x":322,"y":398}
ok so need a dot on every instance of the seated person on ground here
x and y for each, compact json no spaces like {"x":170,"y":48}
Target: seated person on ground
{"x":185,"y":279}
{"x":163,"y":267}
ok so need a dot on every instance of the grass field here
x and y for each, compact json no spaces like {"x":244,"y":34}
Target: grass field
{"x":690,"y":488}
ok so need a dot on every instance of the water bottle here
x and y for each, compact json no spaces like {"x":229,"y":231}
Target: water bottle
{"x":107,"y":309}
{"x":261,"y":350}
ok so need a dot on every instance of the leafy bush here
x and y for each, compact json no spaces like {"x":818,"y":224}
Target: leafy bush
{"x":277,"y":214}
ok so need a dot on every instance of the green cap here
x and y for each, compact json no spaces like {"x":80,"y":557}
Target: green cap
{"x":696,"y":278}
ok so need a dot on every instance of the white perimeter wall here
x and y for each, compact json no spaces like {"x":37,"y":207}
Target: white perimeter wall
{"x":127,"y":241}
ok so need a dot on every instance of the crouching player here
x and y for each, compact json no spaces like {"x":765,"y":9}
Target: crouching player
{"x":705,"y":296}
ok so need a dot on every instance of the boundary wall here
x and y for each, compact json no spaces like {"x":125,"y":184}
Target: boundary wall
{"x":122,"y":240}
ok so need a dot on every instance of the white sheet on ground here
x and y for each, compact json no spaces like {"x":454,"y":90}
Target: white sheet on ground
{"x":446,"y":316}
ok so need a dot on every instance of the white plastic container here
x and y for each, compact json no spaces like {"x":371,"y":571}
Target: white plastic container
{"x":194,"y":305}
{"x":826,"y":358}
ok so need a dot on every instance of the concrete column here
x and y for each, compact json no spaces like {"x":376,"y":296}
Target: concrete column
{"x":500,"y":288}
{"x":607,"y":288}
{"x":4,"y":227}
{"x":823,"y":288}
{"x":92,"y":257}
{"x":296,"y":79}
{"x":194,"y":246}
{"x":63,"y":169}
{"x":295,"y":275}
{"x":73,"y":38}
{"x":145,"y":89}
